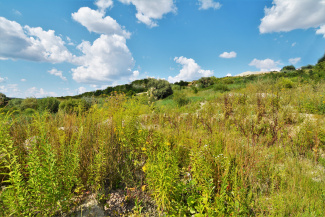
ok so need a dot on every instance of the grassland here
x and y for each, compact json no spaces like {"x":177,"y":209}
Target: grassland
{"x":242,"y":146}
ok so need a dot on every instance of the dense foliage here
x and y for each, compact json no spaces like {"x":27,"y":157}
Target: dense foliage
{"x":159,"y":88}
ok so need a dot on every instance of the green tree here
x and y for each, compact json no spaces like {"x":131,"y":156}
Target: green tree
{"x":3,"y":99}
{"x":50,"y":104}
{"x":30,"y":102}
{"x":288,"y":68}
{"x":159,"y":88}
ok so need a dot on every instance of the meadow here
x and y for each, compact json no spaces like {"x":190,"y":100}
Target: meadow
{"x":234,"y":146}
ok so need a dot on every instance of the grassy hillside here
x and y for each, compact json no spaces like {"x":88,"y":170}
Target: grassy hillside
{"x":240,"y":146}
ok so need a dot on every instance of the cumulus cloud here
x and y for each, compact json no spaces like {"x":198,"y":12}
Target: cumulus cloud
{"x":55,"y":72}
{"x":206,"y":4}
{"x":150,"y":11}
{"x":95,"y":21}
{"x":38,"y":93}
{"x":190,"y":70}
{"x":266,"y":65}
{"x":321,"y":31}
{"x":227,"y":55}
{"x":104,"y":4}
{"x":293,"y":61}
{"x":134,"y":75}
{"x":32,"y":44}
{"x":23,"y":80}
{"x":287,"y":15}
{"x":81,"y":90}
{"x":106,"y":60}
{"x":228,"y":75}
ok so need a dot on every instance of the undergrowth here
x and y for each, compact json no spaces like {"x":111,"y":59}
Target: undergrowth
{"x":254,"y":151}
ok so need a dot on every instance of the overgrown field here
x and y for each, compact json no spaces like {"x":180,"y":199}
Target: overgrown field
{"x":255,"y":149}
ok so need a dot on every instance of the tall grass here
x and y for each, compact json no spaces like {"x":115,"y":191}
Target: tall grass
{"x":258,"y":151}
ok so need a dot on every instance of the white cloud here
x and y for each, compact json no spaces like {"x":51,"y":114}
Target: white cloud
{"x":206,"y":4}
{"x":55,"y":72}
{"x":293,"y":44}
{"x":81,"y":90}
{"x":231,"y":54}
{"x":38,"y":93}
{"x":293,"y":61}
{"x":150,"y":11}
{"x":10,"y":89}
{"x":3,"y":79}
{"x":23,"y":80}
{"x":228,"y":75}
{"x":106,"y":60}
{"x":104,"y":4}
{"x":266,"y":65}
{"x":32,"y":44}
{"x":190,"y":70}
{"x":321,"y":30}
{"x":95,"y":21}
{"x":70,"y":42}
{"x":134,"y":75}
{"x":287,"y":15}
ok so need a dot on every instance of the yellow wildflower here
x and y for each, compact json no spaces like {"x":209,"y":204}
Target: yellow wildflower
{"x":144,"y":168}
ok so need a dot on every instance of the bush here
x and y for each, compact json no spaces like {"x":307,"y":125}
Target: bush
{"x":50,"y":104}
{"x":285,"y":83}
{"x":206,"y":81}
{"x":288,"y":68}
{"x":307,"y":67}
{"x":68,"y":106}
{"x":15,"y":103}
{"x":159,"y":89}
{"x":194,"y":89}
{"x":3,"y":99}
{"x":221,"y":88}
{"x":181,"y":99}
{"x":29,"y":103}
{"x":71,"y":105}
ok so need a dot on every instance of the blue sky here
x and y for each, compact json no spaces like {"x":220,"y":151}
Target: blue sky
{"x":66,"y":47}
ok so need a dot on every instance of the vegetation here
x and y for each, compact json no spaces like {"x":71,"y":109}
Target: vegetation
{"x":240,"y":146}
{"x":3,"y":99}
{"x":288,"y":68}
{"x":159,"y":89}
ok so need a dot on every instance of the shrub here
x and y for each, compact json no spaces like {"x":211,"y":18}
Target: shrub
{"x":194,"y":89}
{"x":206,"y":81}
{"x":3,"y":99}
{"x":50,"y":104}
{"x":159,"y":89}
{"x":15,"y":103}
{"x":288,"y":68}
{"x":29,"y":103}
{"x":68,"y":106}
{"x":72,"y":105}
{"x":182,"y":83}
{"x":181,"y":99}
{"x":307,"y":67}
{"x":285,"y":83}
{"x":221,"y":88}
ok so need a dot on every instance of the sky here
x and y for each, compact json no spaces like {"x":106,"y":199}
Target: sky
{"x":67,"y":47}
